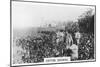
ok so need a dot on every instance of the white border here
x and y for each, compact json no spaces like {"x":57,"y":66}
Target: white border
{"x":42,"y":63}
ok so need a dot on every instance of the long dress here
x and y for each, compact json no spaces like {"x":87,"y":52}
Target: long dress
{"x":69,"y":40}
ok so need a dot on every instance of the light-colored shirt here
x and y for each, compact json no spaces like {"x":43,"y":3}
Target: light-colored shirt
{"x":77,"y":35}
{"x":74,"y":49}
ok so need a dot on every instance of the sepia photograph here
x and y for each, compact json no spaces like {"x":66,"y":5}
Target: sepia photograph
{"x":51,"y":33}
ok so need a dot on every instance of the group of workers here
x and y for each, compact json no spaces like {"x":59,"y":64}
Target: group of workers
{"x":66,"y":37}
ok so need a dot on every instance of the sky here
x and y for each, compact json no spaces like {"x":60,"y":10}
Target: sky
{"x":27,"y":14}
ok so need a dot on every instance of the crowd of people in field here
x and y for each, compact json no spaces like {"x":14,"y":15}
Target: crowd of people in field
{"x":60,"y":43}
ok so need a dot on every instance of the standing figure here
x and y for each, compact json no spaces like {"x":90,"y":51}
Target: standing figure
{"x":78,"y":36}
{"x":60,"y":37}
{"x":68,"y":40}
{"x":74,"y":55}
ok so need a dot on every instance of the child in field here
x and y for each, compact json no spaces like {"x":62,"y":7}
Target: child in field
{"x":74,"y":49}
